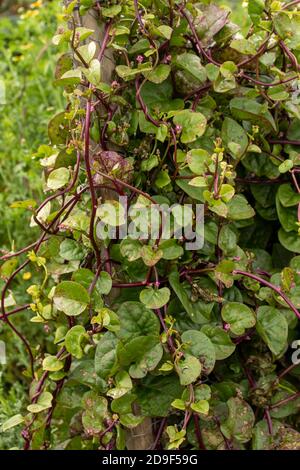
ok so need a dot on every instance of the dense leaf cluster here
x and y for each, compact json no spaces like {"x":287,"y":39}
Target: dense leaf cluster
{"x":196,"y":110}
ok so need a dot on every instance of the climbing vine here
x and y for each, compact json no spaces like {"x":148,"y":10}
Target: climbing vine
{"x":152,"y":344}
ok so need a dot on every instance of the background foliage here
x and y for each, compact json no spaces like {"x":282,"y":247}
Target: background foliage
{"x":221,"y":353}
{"x":27,"y":63}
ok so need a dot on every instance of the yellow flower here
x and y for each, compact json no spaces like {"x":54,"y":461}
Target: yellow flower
{"x":27,"y":276}
{"x":29,"y":14}
{"x":25,"y":47}
{"x":36,"y":4}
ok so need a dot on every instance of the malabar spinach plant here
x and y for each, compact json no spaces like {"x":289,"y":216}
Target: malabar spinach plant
{"x":149,"y":344}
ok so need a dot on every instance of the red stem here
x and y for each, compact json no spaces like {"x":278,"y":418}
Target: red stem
{"x":271,"y":286}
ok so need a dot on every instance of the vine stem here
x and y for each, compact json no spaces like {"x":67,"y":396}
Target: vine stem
{"x":285,"y":400}
{"x":90,"y":180}
{"x":286,"y":371}
{"x":284,"y":141}
{"x":198,"y":432}
{"x":171,"y":345}
{"x":159,"y":433}
{"x":260,"y":83}
{"x":269,"y":421}
{"x":15,"y":310}
{"x":271,"y":286}
{"x":138,"y":87}
{"x":199,"y":46}
{"x":290,"y":4}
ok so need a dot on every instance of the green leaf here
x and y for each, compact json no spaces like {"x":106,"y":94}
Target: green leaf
{"x":243,"y":46}
{"x":223,"y":272}
{"x":239,"y":208}
{"x":131,"y":249}
{"x":58,"y":178}
{"x":159,"y":74}
{"x":262,"y":439}
{"x":150,"y":255}
{"x":152,"y":161}
{"x":26,"y":204}
{"x":194,"y":192}
{"x":107,"y":318}
{"x":255,"y":10}
{"x":201,"y":407}
{"x":63,"y":65}
{"x":240,"y":421}
{"x":287,"y":196}
{"x":111,"y":11}
{"x":52,"y":364}
{"x":123,"y":385}
{"x":87,"y":51}
{"x":198,"y":160}
{"x":191,"y":63}
{"x":171,"y":250}
{"x":200,"y":346}
{"x":112,"y":213}
{"x":193,"y":125}
{"x":198,"y":311}
{"x":289,"y":240}
{"x":95,"y":413}
{"x":212,"y":71}
{"x":161,"y":135}
{"x":221,"y":341}
{"x":178,"y":404}
{"x":272,"y":326}
{"x":189,"y":369}
{"x":71,"y":298}
{"x":127,"y":73}
{"x":287,"y":27}
{"x":104,"y":283}
{"x":232,"y":132}
{"x":43,"y":402}
{"x":250,"y":110}
{"x":225,"y":80}
{"x":209,"y":21}
{"x":166,"y":31}
{"x":148,"y":362}
{"x":290,"y":407}
{"x":162,"y":179}
{"x":136,"y":320}
{"x":8,"y":267}
{"x":278,"y":93}
{"x":123,"y":405}
{"x":199,"y":182}
{"x":238,"y":316}
{"x":58,"y":129}
{"x":70,"y":250}
{"x":226,"y":192}
{"x":155,"y":298}
{"x":12,"y":422}
{"x":155,"y":404}
{"x":286,"y":166}
{"x":106,"y":363}
{"x":83,"y":33}
{"x":74,"y":339}
{"x":93,"y":73}
{"x":227,"y":239}
{"x":287,"y":216}
{"x":134,"y":350}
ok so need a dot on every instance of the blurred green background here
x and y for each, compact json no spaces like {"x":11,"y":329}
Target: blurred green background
{"x":27,"y":101}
